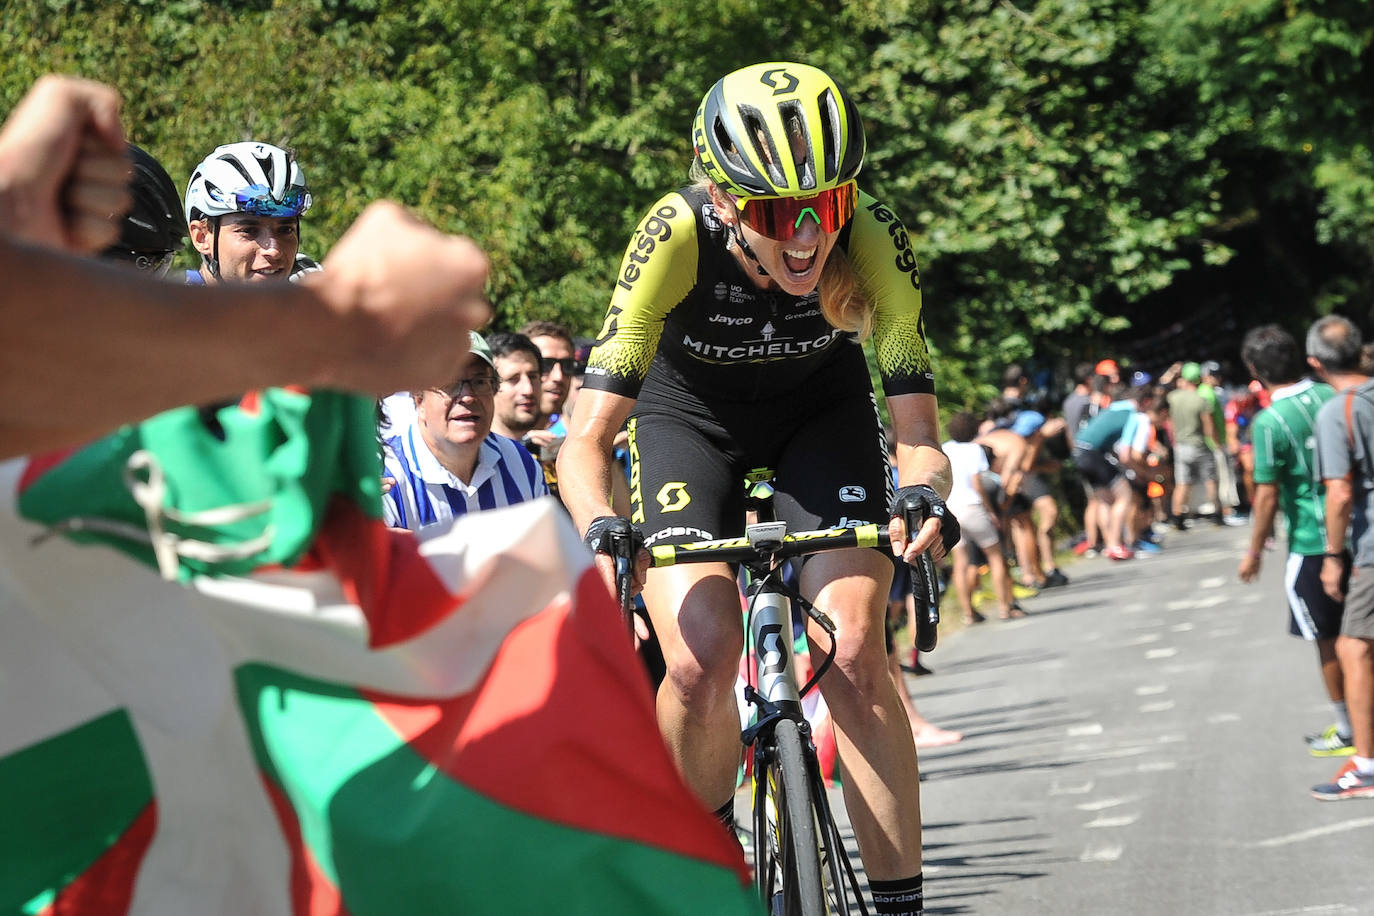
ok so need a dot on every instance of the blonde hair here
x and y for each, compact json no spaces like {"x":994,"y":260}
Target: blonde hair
{"x":843,"y":303}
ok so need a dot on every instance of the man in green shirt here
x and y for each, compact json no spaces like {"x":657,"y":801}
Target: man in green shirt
{"x":1282,"y":435}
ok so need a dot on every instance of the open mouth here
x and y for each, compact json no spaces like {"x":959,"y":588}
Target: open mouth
{"x":799,"y":261}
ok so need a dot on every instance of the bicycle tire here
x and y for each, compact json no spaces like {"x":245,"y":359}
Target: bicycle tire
{"x":799,"y":850}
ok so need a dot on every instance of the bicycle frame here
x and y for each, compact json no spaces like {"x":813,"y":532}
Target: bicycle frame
{"x":778,"y":698}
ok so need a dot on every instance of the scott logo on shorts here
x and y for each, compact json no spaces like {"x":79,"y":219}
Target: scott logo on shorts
{"x":853,"y":494}
{"x":673,"y":497}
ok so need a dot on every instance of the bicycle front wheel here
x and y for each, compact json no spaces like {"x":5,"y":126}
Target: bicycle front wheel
{"x":786,"y":831}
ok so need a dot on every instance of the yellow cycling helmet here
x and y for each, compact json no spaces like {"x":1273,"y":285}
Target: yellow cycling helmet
{"x":778,"y":130}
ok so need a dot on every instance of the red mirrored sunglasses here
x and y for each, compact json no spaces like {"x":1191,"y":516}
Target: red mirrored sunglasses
{"x":780,"y":217}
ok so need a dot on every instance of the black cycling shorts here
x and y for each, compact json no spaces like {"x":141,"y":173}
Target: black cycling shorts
{"x":1033,"y":486}
{"x":823,"y":442}
{"x":1097,"y":469}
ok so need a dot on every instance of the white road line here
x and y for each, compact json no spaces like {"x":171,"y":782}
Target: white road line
{"x":1087,"y":728}
{"x":1162,"y":653}
{"x":1123,"y":820}
{"x":1213,"y":582}
{"x":1157,"y":766}
{"x":1340,"y":909}
{"x":1104,"y":803}
{"x":1161,"y":706}
{"x":1221,"y":717}
{"x":1304,"y":835}
{"x":1151,"y":690}
{"x":1077,"y":788}
{"x":1182,"y":627}
{"x":1106,"y":853}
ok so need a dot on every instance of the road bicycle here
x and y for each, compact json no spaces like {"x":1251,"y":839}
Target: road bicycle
{"x":801,"y":867}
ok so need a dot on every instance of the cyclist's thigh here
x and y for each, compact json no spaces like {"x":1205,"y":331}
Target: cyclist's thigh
{"x":686,"y":486}
{"x":832,"y":469}
{"x":686,"y":482}
{"x":696,"y":613}
{"x":851,"y":587}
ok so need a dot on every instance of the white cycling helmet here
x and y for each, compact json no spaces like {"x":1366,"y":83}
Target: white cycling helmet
{"x":247,"y":177}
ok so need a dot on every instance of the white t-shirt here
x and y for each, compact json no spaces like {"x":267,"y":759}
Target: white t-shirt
{"x":966,"y":459}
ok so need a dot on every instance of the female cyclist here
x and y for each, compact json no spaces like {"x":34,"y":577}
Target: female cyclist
{"x":731,"y":343}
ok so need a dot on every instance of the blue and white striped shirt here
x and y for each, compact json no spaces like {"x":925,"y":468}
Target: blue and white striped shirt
{"x":426,"y":493}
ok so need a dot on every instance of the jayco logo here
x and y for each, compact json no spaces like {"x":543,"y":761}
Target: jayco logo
{"x":730,"y":320}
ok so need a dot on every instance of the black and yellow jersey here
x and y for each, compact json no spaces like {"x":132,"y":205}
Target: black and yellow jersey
{"x":686,"y":319}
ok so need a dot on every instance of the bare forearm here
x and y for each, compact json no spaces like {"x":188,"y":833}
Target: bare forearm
{"x":131,"y":346}
{"x":391,"y":313}
{"x":584,"y":480}
{"x":924,"y":464}
{"x":1263,"y":508}
{"x":1338,"y":508}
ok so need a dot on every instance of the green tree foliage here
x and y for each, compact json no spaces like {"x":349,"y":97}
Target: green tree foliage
{"x":1061,"y":164}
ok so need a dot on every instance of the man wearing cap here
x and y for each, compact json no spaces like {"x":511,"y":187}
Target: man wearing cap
{"x":1194,"y":431}
{"x":1223,"y":450}
{"x":447,"y":462}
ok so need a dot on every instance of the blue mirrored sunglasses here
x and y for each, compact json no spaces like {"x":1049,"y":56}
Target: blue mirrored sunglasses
{"x":258,"y":200}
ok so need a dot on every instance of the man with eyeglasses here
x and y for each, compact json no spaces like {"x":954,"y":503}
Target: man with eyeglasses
{"x":447,"y":462}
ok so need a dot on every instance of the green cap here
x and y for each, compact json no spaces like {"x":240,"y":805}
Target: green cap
{"x":1191,"y":372}
{"x":479,"y":347}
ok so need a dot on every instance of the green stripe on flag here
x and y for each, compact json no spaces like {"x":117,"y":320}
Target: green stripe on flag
{"x":66,"y":800}
{"x":393,"y":832}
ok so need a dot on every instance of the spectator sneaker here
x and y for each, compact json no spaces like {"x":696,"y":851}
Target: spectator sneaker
{"x":1330,"y":743}
{"x":1055,"y":578}
{"x":1118,"y":553}
{"x":1145,"y":548}
{"x":1084,"y":548}
{"x":1349,"y":783}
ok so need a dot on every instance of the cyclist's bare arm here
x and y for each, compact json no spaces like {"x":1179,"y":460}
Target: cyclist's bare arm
{"x":390,"y":312}
{"x":586,"y":467}
{"x":916,"y":423}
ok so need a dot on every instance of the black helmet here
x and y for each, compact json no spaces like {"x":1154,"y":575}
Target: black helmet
{"x":153,"y":227}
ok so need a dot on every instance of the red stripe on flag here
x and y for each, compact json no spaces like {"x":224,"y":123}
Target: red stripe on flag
{"x":312,"y":893}
{"x":107,"y":886}
{"x":562,"y":727}
{"x":383,"y":573}
{"x":40,"y":464}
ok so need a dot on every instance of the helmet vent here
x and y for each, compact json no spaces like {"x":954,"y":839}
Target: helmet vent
{"x":794,"y":129}
{"x":830,"y":133}
{"x":727,"y":145}
{"x":235,"y":164}
{"x":756,"y":132}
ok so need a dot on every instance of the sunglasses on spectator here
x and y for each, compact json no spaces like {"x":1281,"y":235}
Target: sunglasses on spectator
{"x":257,"y":199}
{"x":566,"y":363}
{"x":478,"y":385}
{"x":779,"y":218}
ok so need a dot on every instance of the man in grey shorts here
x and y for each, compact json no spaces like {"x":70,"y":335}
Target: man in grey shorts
{"x":1345,"y":464}
{"x":1193,"y":432}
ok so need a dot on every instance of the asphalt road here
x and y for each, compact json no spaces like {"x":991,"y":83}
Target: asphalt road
{"x":1135,"y":747}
